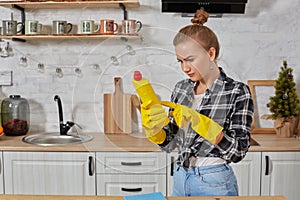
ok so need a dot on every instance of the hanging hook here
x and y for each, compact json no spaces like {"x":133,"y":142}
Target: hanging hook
{"x":23,"y":61}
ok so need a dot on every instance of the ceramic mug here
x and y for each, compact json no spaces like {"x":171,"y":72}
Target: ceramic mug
{"x":89,"y":27}
{"x":108,"y":26}
{"x":40,"y":29}
{"x":31,"y":27}
{"x":61,"y":27}
{"x":130,"y":26}
{"x":9,"y":27}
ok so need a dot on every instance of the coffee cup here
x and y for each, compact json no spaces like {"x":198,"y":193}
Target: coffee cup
{"x":108,"y":26}
{"x":61,"y":27}
{"x":40,"y":29}
{"x":131,"y":26}
{"x":9,"y":27}
{"x":31,"y":27}
{"x":89,"y":27}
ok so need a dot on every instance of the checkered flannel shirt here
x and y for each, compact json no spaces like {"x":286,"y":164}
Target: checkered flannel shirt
{"x":228,"y":103}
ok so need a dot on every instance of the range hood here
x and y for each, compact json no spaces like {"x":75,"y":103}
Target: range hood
{"x":210,"y":6}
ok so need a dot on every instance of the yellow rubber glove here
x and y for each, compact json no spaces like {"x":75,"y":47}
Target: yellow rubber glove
{"x":154,"y":118}
{"x":203,"y":125}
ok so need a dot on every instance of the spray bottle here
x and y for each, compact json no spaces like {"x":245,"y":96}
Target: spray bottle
{"x":144,"y":89}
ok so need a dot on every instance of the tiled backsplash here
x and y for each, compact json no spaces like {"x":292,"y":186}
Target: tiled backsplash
{"x":253,"y":46}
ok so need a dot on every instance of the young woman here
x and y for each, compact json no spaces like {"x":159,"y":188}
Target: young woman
{"x":207,"y":98}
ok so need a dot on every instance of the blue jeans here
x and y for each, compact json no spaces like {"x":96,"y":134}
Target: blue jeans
{"x":217,"y":180}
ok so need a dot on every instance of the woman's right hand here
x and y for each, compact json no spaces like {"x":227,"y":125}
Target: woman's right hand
{"x":154,"y":118}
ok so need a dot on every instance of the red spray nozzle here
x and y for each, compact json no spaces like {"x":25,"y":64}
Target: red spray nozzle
{"x":137,"y":76}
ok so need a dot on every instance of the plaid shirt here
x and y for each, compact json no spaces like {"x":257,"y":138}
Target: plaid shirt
{"x":228,"y":103}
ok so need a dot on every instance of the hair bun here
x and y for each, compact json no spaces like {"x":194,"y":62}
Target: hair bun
{"x":200,"y":17}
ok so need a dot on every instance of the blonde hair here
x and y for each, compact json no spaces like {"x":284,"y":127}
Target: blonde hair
{"x":198,"y":32}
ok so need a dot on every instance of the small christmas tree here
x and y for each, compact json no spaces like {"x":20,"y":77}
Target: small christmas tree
{"x":285,"y":104}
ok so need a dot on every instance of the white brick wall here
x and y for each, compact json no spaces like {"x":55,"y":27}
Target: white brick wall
{"x":253,"y":46}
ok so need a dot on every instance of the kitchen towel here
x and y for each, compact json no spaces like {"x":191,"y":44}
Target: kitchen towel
{"x":149,"y":196}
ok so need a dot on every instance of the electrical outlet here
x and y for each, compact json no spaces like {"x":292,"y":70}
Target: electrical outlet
{"x":6,"y":78}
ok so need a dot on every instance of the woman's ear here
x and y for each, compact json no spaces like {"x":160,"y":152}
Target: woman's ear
{"x":212,"y":53}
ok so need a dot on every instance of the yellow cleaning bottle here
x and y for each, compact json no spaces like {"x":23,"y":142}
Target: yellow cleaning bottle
{"x":144,"y":89}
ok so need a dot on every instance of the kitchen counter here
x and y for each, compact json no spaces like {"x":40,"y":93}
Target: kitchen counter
{"x":49,"y":197}
{"x":137,"y":142}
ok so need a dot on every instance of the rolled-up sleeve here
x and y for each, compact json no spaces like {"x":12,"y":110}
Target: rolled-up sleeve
{"x":236,"y":140}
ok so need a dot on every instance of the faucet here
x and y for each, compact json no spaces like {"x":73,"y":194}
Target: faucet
{"x":63,"y":128}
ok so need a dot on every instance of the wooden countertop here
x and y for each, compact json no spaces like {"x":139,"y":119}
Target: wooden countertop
{"x":100,"y":142}
{"x":137,"y":143}
{"x":50,"y":197}
{"x":271,"y":142}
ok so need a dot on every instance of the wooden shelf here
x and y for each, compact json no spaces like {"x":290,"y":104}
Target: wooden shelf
{"x":70,"y":37}
{"x":73,"y":4}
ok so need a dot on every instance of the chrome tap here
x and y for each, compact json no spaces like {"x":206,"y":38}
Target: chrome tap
{"x":63,"y":128}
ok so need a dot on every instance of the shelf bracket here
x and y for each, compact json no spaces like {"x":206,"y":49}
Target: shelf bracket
{"x":121,"y":5}
{"x":22,"y":10}
{"x":22,"y":16}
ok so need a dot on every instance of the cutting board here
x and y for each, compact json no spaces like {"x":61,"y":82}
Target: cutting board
{"x":118,"y":110}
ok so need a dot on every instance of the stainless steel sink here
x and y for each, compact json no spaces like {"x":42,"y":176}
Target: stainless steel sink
{"x":55,"y":139}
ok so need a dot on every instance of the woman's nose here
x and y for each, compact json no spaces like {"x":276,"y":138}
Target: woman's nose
{"x":185,"y":67}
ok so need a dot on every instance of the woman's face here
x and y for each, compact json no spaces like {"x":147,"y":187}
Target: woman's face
{"x":194,"y":60}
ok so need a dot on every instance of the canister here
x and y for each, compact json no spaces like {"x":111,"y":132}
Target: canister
{"x":15,"y":115}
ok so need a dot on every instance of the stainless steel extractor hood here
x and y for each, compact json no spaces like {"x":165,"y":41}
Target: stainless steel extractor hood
{"x":210,"y":6}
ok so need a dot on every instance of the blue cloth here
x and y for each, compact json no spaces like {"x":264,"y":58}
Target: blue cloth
{"x":149,"y":196}
{"x":218,"y":180}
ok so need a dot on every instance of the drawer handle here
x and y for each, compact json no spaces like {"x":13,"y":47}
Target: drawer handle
{"x":172,"y":166}
{"x":131,"y":189}
{"x":131,"y":163}
{"x":91,"y":166}
{"x":267,"y":171}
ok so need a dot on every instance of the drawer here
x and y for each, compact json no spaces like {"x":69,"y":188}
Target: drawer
{"x":122,"y":185}
{"x":131,"y":162}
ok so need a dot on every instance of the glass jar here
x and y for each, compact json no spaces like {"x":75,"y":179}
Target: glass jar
{"x":15,"y":115}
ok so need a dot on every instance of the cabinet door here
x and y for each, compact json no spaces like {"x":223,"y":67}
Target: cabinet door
{"x":170,"y":167}
{"x":248,"y":174}
{"x":281,"y":174}
{"x":61,"y":173}
{"x":123,"y":185}
{"x":1,"y":174}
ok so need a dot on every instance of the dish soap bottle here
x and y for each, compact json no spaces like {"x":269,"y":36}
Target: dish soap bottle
{"x":144,"y":89}
{"x":15,"y":115}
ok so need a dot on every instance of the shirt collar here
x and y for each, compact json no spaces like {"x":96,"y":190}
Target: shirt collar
{"x":220,"y":81}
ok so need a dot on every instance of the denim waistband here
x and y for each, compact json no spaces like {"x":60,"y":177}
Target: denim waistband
{"x":204,"y":169}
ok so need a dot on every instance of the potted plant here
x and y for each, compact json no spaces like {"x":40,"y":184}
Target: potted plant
{"x":285,"y":105}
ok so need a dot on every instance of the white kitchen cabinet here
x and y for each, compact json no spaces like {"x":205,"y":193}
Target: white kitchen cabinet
{"x":171,"y":158}
{"x":247,"y":172}
{"x":281,"y":174}
{"x":63,"y":173}
{"x":1,"y":174}
{"x":128,"y":173}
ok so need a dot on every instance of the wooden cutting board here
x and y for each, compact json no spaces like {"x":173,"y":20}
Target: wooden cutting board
{"x":118,"y":110}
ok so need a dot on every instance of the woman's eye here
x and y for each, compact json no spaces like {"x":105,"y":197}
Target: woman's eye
{"x":180,"y":61}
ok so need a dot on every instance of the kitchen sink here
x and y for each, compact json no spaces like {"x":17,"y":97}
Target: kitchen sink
{"x":55,"y":139}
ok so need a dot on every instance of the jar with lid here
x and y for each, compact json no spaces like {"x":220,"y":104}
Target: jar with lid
{"x":15,"y":115}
